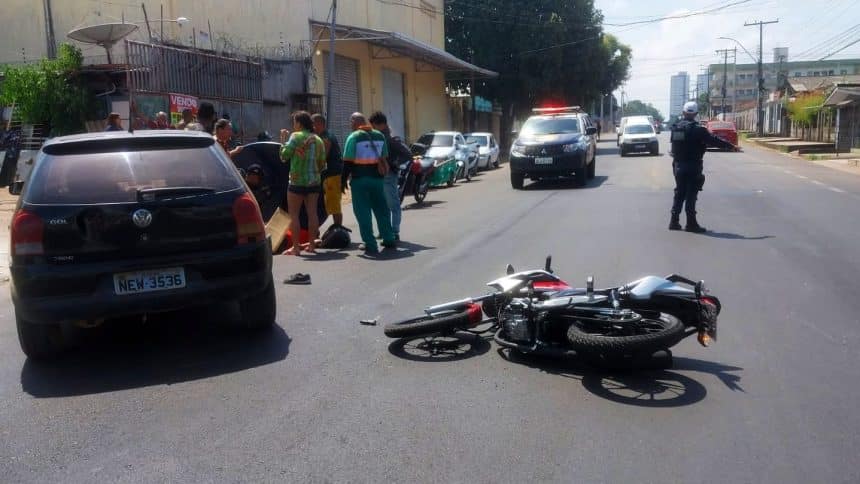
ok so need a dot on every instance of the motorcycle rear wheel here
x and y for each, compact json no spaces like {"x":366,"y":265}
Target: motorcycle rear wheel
{"x":426,"y":325}
{"x":652,"y":334}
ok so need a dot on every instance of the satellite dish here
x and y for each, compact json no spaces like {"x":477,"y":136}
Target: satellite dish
{"x":105,"y":35}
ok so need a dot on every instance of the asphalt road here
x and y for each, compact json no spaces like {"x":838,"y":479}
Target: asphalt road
{"x":322,"y":398}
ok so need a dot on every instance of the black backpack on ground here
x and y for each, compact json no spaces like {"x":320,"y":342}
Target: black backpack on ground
{"x":336,"y":237}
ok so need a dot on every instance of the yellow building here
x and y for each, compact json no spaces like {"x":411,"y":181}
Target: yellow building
{"x":389,"y":53}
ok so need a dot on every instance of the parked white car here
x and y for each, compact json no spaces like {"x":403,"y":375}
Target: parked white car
{"x":488,"y":149}
{"x":444,"y":145}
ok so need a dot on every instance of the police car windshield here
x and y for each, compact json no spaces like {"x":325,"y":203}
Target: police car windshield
{"x":639,"y":129}
{"x":551,"y":125}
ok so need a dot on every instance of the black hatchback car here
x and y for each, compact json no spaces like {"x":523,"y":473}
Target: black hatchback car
{"x":555,"y":142}
{"x":118,"y":224}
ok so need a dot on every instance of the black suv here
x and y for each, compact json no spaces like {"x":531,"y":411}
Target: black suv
{"x":555,"y":142}
{"x":116,"y":224}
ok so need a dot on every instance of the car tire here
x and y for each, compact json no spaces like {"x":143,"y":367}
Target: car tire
{"x":259,"y":311}
{"x":451,"y":180}
{"x":496,"y":163}
{"x":39,"y":341}
{"x":592,"y":168}
{"x":517,"y":180}
{"x":623,"y":152}
{"x":581,"y":177}
{"x":655,"y":152}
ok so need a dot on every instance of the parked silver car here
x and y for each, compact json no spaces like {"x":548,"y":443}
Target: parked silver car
{"x":488,"y":149}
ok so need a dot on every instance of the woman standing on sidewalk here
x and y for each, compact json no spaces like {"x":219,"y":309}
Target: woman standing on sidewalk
{"x":305,"y":152}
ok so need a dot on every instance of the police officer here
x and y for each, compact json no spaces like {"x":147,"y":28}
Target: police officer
{"x":689,"y":141}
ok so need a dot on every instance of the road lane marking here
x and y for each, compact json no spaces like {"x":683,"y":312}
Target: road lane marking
{"x":788,"y":172}
{"x":802,"y":177}
{"x":818,"y":183}
{"x":834,"y":189}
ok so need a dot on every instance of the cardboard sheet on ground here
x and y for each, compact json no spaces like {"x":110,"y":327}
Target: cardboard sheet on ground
{"x":277,"y":228}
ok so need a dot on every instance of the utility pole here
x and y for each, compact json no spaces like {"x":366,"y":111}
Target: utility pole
{"x":51,"y":41}
{"x":725,"y":53}
{"x":760,"y":108}
{"x":330,"y":77}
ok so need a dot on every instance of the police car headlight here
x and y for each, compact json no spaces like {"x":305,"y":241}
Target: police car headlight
{"x":570,"y":148}
{"x":517,"y":150}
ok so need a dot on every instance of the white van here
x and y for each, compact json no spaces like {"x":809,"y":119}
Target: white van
{"x":631,"y":119}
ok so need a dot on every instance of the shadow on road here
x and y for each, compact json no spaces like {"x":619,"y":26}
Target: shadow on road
{"x":423,"y":205}
{"x":440,"y":348}
{"x":731,"y":236}
{"x":655,"y":387}
{"x":166,"y":349}
{"x":558,"y":183}
{"x":403,"y":250}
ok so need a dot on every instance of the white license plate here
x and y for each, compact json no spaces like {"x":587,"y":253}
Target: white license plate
{"x":640,"y":147}
{"x":148,"y":281}
{"x":543,"y":161}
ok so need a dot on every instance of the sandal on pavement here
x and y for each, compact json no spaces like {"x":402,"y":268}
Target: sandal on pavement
{"x":298,"y":278}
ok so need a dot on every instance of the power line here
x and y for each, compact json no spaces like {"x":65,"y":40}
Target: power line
{"x":840,"y":50}
{"x":680,"y":16}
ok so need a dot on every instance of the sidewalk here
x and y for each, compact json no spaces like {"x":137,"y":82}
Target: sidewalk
{"x":846,"y":162}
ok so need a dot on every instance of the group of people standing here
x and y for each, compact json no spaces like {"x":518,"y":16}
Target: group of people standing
{"x":368,"y":164}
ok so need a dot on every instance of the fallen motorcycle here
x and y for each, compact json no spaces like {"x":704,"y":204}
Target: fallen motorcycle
{"x":536,"y":312}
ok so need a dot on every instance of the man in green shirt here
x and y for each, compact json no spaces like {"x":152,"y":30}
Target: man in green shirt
{"x":365,"y":156}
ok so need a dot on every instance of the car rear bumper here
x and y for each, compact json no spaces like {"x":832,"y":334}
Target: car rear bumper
{"x":640,"y":147}
{"x":564,"y":164}
{"x":210,"y":277}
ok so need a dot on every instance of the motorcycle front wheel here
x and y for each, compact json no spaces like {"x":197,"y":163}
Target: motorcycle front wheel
{"x":642,"y":336}
{"x":426,"y":325}
{"x":420,"y":195}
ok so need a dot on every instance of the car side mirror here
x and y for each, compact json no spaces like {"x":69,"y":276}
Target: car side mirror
{"x":591,"y":130}
{"x":16,"y":187}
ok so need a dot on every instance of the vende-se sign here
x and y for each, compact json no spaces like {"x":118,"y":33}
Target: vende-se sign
{"x":179,"y":102}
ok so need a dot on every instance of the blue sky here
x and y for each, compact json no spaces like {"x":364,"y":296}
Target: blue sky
{"x":663,"y":48}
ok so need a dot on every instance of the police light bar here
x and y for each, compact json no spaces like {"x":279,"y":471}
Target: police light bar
{"x":557,"y":110}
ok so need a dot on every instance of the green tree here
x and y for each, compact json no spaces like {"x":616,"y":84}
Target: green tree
{"x":49,"y":92}
{"x":638,"y":108}
{"x":544,"y":51}
{"x":704,"y":103}
{"x":804,"y":109}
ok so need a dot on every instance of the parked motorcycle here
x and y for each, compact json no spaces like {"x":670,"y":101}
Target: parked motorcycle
{"x":414,"y":178}
{"x":536,"y":312}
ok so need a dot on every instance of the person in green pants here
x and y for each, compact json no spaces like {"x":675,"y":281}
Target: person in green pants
{"x":365,"y":161}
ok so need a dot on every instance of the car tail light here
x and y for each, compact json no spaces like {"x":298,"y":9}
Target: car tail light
{"x":27,"y":234}
{"x":415,"y":168}
{"x":249,"y":220}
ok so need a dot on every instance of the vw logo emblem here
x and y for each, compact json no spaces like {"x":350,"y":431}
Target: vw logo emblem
{"x":142,"y":218}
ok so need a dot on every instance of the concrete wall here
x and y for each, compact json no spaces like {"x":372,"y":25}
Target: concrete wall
{"x":255,"y":25}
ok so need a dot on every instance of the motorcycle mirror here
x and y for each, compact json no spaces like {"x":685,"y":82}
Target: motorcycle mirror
{"x":548,"y":266}
{"x":509,"y":270}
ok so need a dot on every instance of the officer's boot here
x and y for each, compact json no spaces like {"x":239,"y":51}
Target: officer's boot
{"x":693,"y":225}
{"x":674,"y":222}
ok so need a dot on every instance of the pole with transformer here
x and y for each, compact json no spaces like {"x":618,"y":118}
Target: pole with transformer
{"x":330,"y":77}
{"x":725,"y":53}
{"x":760,"y":106}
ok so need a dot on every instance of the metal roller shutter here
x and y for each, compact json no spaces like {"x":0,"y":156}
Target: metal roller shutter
{"x":344,"y":96}
{"x":392,"y":101}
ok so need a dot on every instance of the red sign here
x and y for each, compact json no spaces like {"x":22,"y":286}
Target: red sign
{"x":180,"y":102}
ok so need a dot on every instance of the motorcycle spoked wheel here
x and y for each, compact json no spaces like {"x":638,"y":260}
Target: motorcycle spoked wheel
{"x":636,"y":335}
{"x":426,"y":325}
{"x":420,"y":194}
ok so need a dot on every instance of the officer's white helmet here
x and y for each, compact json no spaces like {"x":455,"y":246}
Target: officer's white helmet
{"x":691,"y":107}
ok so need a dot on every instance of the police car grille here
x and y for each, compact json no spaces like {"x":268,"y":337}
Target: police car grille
{"x":544,"y":150}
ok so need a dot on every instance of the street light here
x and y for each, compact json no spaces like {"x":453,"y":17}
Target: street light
{"x":741,"y":46}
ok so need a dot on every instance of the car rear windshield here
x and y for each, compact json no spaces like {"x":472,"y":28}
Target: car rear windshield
{"x":639,"y":129}
{"x":721,"y":125}
{"x":481,"y":140}
{"x":552,"y":125}
{"x":437,"y":140}
{"x":93,"y":178}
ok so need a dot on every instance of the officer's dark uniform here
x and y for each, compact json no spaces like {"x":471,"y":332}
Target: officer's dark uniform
{"x":689,"y":141}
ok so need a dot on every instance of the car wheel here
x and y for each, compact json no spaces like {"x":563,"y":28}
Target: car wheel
{"x":581,"y":177}
{"x":592,"y":167}
{"x":260,"y":310}
{"x":496,"y":163}
{"x":452,"y":179}
{"x":517,"y":180}
{"x":623,"y":152}
{"x":39,"y":341}
{"x":655,"y":152}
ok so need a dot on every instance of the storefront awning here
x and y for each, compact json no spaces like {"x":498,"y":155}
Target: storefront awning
{"x":394,"y":44}
{"x":843,"y":96}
